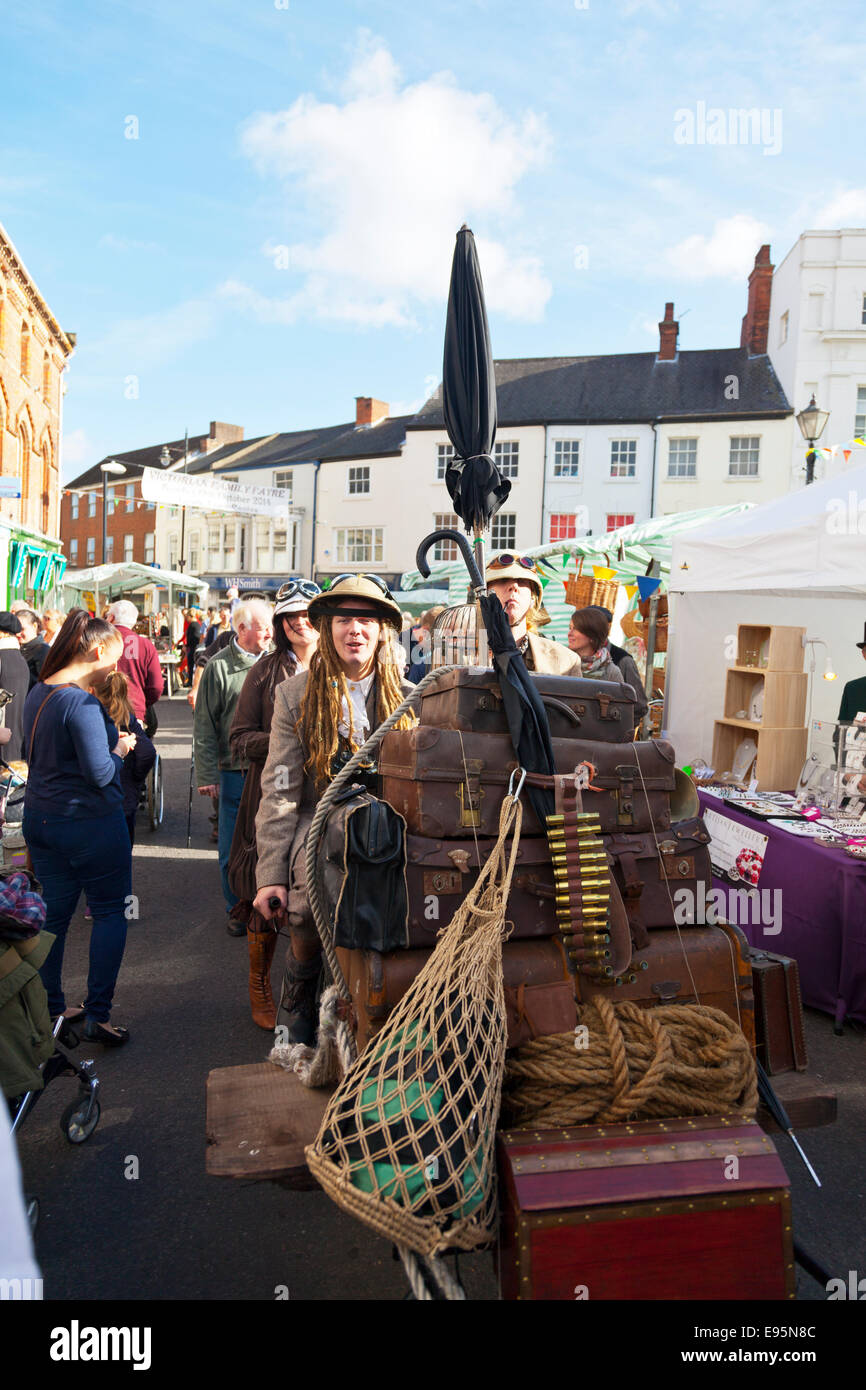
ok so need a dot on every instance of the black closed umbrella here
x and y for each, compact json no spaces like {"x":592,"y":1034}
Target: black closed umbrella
{"x":478,"y":490}
{"x":474,"y":482}
{"x":528,"y":725}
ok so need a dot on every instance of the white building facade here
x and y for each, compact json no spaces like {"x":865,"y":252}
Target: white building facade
{"x":817,"y":339}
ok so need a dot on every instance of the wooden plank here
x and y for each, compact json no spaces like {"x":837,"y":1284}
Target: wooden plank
{"x":810,"y":1104}
{"x":259,"y":1120}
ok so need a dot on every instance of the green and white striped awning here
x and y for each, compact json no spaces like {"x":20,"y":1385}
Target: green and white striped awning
{"x":629,"y":551}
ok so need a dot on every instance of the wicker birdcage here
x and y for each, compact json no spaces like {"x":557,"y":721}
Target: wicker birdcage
{"x":581,"y":589}
{"x":459,"y":638}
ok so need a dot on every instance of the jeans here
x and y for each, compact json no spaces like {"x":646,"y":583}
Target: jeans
{"x":93,"y":855}
{"x":231,"y":787}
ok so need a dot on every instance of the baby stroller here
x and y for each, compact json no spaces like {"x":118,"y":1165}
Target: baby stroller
{"x":32,"y":1045}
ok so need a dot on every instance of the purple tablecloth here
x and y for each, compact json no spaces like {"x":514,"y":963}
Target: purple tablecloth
{"x":823,"y":918}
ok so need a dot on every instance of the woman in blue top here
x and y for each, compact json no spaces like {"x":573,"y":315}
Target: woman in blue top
{"x":74,"y":823}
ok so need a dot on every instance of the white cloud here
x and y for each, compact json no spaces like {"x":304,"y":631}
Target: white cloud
{"x":411,"y":407}
{"x":387,"y":176}
{"x":846,"y":209}
{"x":728,"y":253}
{"x":150,"y":340}
{"x":122,"y":243}
{"x":75,"y":448}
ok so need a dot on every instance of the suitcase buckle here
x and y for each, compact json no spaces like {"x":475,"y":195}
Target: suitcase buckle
{"x":667,"y":990}
{"x":625,"y":796}
{"x":470,"y":806}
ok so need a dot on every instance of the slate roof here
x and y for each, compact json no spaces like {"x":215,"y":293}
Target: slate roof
{"x":628,"y":387}
{"x":344,"y":441}
{"x":134,"y":459}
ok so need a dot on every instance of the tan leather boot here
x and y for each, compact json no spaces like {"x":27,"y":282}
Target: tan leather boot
{"x":262,"y":945}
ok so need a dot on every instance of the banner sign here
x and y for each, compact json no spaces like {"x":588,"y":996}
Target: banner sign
{"x":737,"y":853}
{"x":213,"y":494}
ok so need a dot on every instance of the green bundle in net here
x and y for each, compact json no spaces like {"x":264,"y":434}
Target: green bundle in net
{"x":407,"y":1141}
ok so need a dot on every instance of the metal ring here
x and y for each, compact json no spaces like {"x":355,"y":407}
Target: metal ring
{"x":511,"y":791}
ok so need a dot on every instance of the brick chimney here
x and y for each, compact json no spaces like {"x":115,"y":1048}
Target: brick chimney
{"x":221,"y":434}
{"x":669,"y":331}
{"x":369,"y":411}
{"x":756,"y":322}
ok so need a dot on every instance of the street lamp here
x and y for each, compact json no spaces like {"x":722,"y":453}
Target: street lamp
{"x":812,"y":422}
{"x":105,"y":469}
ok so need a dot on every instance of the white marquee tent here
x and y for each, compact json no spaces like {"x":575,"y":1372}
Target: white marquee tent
{"x":799,"y":561}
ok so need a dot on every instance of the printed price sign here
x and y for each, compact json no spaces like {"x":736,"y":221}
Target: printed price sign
{"x":737,"y":853}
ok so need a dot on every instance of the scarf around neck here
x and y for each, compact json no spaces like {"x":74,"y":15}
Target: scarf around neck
{"x":601,"y":658}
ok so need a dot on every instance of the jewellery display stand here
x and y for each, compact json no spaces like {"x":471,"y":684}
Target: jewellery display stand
{"x":767,"y":680}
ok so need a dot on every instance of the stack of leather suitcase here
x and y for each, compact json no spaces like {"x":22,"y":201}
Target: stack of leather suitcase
{"x":448,"y":777}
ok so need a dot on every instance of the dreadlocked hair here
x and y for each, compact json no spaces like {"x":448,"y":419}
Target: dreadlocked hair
{"x":325,"y":690}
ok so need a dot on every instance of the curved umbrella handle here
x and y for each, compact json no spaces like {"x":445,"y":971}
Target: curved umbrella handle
{"x":458,"y":539}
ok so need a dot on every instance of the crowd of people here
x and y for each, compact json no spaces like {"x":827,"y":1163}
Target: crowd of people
{"x":282,"y":695}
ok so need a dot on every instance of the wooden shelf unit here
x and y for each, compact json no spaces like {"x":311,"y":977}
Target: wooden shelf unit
{"x":784,"y":696}
{"x":780,"y":735}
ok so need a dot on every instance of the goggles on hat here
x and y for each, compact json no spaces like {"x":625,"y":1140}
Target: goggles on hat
{"x":294,"y":587}
{"x":503,"y":562}
{"x":373,"y":578}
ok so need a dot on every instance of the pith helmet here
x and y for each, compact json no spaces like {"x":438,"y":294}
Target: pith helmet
{"x":348,"y":586}
{"x":512,"y":565}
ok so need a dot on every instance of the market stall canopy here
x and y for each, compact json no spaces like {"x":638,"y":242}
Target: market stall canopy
{"x":119,"y":578}
{"x":631,"y":548}
{"x":811,"y":540}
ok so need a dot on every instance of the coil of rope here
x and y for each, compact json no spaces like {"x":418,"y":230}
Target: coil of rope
{"x":679,"y":1059}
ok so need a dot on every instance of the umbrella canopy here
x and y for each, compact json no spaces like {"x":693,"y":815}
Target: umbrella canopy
{"x":473,"y":480}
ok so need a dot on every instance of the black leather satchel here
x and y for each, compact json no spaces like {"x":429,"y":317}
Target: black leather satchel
{"x":362,"y":854}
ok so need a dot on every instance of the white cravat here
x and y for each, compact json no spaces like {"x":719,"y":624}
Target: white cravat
{"x":358,"y":692}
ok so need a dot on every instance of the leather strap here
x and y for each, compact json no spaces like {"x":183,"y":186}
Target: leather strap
{"x":51,"y":692}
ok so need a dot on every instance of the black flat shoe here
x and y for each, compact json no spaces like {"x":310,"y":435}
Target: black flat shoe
{"x":236,"y":928}
{"x":97,"y":1032}
{"x":75,"y":1016}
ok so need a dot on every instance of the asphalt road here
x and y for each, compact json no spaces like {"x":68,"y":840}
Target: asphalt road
{"x":173,"y":1232}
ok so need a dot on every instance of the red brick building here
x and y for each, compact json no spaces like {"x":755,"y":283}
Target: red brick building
{"x":131,"y":526}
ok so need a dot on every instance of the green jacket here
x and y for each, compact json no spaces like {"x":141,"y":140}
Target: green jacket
{"x":25,"y":1027}
{"x":215,"y":701}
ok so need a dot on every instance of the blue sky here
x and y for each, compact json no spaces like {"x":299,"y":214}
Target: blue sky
{"x":277,"y":239}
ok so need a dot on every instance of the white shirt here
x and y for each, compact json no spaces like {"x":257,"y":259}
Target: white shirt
{"x":358,"y":692}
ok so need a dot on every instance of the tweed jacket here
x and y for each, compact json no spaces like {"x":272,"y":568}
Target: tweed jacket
{"x":289,"y":794}
{"x":552,"y":658}
{"x":249,"y":738}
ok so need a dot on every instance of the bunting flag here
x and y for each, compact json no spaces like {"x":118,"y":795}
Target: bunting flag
{"x":631,"y":590}
{"x":647,"y":584}
{"x":603,"y":572}
{"x":847,"y":453}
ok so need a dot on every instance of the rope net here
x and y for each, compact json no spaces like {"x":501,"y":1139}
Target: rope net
{"x":407,"y":1143}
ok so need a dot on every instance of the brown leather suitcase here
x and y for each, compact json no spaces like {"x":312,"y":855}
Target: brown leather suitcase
{"x":469,"y":699}
{"x":781,"y":1043}
{"x":711,"y":960}
{"x":704,"y":965}
{"x":447,"y":783}
{"x":530,"y":968}
{"x":651,"y":870}
{"x":439,"y":874}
